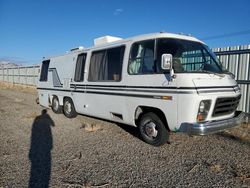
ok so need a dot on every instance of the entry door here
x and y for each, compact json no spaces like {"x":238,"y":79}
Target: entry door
{"x":78,"y":86}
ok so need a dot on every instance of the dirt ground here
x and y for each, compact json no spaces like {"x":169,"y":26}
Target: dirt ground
{"x":39,"y":149}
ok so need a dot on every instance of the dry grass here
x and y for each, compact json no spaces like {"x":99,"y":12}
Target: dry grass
{"x":18,"y":87}
{"x":91,"y":127}
{"x":216,"y":168}
{"x":241,"y":133}
{"x":32,"y":115}
{"x":18,"y":100}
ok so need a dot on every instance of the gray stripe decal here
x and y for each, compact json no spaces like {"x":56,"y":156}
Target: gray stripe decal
{"x":55,"y":78}
{"x":215,"y":91}
{"x":109,"y":93}
{"x":137,"y":90}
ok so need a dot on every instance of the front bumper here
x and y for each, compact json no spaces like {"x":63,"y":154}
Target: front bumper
{"x":211,"y":127}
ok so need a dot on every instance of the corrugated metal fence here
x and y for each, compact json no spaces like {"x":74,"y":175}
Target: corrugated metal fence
{"x":235,"y":59}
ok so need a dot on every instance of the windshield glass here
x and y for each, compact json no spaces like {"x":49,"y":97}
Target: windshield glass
{"x":189,"y":56}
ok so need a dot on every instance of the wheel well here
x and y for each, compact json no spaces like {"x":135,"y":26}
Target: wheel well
{"x":51,"y":98}
{"x":140,"y":110}
{"x":64,"y":98}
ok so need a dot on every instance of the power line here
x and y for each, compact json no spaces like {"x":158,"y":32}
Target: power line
{"x":238,"y":33}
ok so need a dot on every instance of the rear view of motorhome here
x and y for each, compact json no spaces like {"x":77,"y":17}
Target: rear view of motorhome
{"x":158,"y":82}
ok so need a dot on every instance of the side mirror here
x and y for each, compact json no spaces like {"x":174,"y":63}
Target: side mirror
{"x":166,"y":61}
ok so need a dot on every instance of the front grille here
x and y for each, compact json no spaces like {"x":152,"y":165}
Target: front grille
{"x":224,"y":106}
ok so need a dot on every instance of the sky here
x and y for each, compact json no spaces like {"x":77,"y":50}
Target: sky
{"x":33,"y":29}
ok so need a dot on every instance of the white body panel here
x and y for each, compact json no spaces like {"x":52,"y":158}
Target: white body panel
{"x":210,"y":87}
{"x":177,"y":98}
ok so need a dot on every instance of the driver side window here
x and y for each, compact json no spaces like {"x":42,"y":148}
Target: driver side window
{"x":141,"y":59}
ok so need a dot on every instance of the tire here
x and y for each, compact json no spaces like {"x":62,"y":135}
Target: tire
{"x":153,"y":130}
{"x":69,"y":108}
{"x":55,"y":106}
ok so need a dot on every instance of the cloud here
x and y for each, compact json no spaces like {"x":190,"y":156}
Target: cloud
{"x":118,"y":11}
{"x":6,"y":63}
{"x":6,"y":60}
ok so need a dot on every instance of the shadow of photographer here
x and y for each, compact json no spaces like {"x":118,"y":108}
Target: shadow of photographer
{"x":40,"y":151}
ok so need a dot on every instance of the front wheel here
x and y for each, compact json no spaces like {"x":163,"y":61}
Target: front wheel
{"x":69,"y":108}
{"x":152,"y":129}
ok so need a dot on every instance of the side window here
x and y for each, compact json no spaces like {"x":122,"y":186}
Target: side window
{"x":106,"y":65}
{"x":80,"y":65}
{"x":142,"y":58}
{"x":44,"y":71}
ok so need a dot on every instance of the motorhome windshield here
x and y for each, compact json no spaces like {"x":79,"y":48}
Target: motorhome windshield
{"x":189,"y":56}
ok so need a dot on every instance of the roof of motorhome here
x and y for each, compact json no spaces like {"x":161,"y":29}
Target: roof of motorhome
{"x":148,"y":36}
{"x":135,"y":38}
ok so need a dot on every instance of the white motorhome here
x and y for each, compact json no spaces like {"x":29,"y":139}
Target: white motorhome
{"x":158,"y":82}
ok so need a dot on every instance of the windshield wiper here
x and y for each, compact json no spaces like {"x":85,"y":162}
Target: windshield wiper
{"x":210,"y":72}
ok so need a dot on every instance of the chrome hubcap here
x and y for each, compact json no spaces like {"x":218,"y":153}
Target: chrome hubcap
{"x":67,"y":107}
{"x":150,"y":129}
{"x":56,"y":104}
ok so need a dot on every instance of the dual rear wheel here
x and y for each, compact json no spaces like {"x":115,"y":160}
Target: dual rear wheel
{"x":68,"y":107}
{"x":55,"y":106}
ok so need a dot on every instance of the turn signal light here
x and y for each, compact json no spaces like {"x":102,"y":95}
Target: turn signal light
{"x":200,"y":117}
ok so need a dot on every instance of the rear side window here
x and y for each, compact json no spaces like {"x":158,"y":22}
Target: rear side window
{"x":106,"y":65}
{"x":44,"y":71}
{"x":80,"y":65}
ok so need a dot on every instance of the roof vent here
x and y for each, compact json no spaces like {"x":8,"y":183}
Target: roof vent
{"x":105,"y":40}
{"x":78,"y":48}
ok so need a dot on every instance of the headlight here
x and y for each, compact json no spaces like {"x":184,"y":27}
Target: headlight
{"x":204,"y":108}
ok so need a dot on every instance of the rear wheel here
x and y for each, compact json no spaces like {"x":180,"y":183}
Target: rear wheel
{"x":55,"y":106}
{"x":153,"y":130}
{"x":69,"y":108}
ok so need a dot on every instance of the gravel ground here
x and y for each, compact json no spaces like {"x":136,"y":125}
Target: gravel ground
{"x":38,"y":150}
